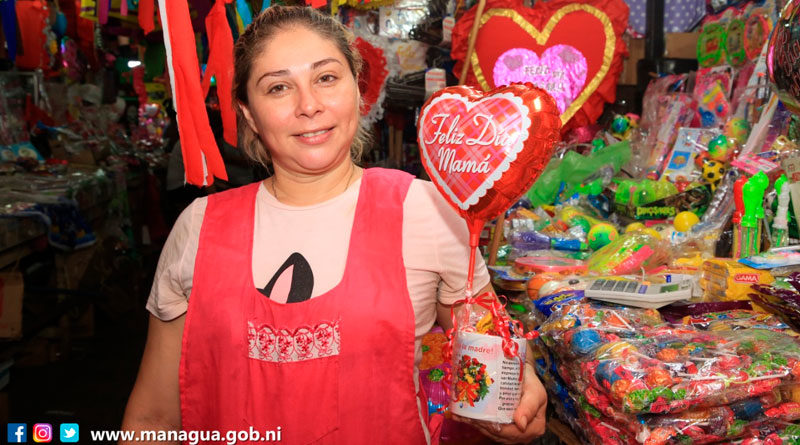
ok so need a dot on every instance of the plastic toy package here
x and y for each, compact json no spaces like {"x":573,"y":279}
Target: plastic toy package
{"x":700,"y":425}
{"x":734,"y":320}
{"x":778,"y":433}
{"x":630,"y":253}
{"x":635,"y":363}
{"x":785,"y":302}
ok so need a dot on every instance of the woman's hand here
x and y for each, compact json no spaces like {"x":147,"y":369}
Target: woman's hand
{"x":529,"y":417}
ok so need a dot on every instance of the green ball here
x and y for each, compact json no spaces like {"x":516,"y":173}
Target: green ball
{"x":737,"y":129}
{"x":719,"y":148}
{"x":600,"y":235}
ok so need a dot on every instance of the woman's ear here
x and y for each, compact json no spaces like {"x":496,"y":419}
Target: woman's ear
{"x":248,"y":117}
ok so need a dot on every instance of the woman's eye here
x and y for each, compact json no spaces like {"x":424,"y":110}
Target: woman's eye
{"x":327,"y":78}
{"x":276,"y":89}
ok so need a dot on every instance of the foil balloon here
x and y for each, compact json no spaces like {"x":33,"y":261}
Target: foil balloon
{"x":783,"y":63}
{"x":482,"y":151}
{"x":572,"y":49}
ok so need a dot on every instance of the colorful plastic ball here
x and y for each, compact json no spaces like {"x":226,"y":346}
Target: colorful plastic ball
{"x":620,"y":125}
{"x":585,"y":341}
{"x":684,"y":221}
{"x":652,"y":232}
{"x":737,"y":129}
{"x":701,"y":159}
{"x":600,"y":235}
{"x":713,"y":172}
{"x":720,"y":148}
{"x":615,"y":350}
{"x":536,"y":282}
{"x":632,"y":227}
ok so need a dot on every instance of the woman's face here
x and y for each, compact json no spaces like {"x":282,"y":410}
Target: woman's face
{"x":303,"y":101}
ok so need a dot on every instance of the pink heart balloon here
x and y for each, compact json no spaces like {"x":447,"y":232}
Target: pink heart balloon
{"x":561,"y":71}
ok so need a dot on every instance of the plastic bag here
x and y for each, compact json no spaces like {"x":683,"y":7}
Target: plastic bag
{"x":630,"y":253}
{"x":633,"y":364}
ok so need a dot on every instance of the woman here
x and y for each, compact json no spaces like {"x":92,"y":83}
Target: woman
{"x":310,"y":291}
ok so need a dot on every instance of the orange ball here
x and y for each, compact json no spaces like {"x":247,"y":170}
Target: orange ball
{"x":537,"y":281}
{"x":656,"y":377}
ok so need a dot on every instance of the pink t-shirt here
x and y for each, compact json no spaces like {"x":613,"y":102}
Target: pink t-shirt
{"x":435,"y":251}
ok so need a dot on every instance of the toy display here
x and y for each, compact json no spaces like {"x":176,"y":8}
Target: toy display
{"x":643,"y":249}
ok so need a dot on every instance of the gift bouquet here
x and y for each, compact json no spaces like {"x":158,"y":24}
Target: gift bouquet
{"x":488,"y":351}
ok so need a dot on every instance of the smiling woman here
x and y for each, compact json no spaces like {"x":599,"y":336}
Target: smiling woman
{"x":310,"y":291}
{"x":249,"y":56}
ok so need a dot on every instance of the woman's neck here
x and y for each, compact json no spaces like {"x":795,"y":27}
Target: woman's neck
{"x":304,"y":190}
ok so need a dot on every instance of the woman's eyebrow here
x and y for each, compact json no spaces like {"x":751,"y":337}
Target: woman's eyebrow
{"x":322,"y":62}
{"x":285,"y":72}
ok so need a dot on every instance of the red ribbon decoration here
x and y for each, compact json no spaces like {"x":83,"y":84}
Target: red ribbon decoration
{"x":503,"y":324}
{"x":220,"y":64}
{"x":146,"y":12}
{"x":201,"y":156}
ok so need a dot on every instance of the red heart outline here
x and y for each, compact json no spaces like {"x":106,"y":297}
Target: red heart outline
{"x":593,"y":27}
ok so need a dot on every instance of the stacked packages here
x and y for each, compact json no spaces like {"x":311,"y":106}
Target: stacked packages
{"x":624,"y":375}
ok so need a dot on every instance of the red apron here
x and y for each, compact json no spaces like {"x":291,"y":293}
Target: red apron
{"x":337,"y":368}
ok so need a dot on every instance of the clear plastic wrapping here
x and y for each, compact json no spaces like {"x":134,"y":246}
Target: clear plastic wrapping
{"x":634,"y":364}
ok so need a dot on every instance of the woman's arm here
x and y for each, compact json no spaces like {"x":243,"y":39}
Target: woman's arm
{"x":154,"y":403}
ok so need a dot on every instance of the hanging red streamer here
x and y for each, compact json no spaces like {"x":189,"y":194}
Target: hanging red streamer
{"x":202,"y":160}
{"x":146,"y":11}
{"x":220,"y":64}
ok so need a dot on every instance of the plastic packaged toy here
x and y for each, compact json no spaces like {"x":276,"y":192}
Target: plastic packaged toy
{"x":725,"y":279}
{"x":626,"y":361}
{"x":629,"y":253}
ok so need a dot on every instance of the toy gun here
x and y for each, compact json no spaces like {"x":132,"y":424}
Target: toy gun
{"x":780,"y":225}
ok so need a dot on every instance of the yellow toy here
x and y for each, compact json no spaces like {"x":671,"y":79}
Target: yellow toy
{"x":684,"y":221}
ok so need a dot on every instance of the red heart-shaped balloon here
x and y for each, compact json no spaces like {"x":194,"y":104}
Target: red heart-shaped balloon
{"x":484,"y":150}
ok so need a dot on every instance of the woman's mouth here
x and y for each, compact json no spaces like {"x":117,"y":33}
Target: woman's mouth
{"x":312,"y":134}
{"x":315,"y":137}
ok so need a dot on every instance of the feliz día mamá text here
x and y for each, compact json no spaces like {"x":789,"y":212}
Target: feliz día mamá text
{"x":489,"y":135}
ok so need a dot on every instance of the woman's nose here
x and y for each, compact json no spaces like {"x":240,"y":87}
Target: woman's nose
{"x":308,"y":103}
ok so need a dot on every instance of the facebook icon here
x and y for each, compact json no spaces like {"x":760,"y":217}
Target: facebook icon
{"x":17,"y":433}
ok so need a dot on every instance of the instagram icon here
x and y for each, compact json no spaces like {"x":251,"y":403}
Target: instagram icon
{"x":42,"y":432}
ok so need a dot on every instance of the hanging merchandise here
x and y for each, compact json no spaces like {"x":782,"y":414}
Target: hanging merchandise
{"x":734,"y":36}
{"x":679,"y":15}
{"x":397,"y":21}
{"x":201,"y":155}
{"x":146,"y":12}
{"x":9,"y":19}
{"x":756,"y":32}
{"x":734,"y":43}
{"x":89,"y":9}
{"x":371,"y":80}
{"x":32,"y":16}
{"x":572,"y":50}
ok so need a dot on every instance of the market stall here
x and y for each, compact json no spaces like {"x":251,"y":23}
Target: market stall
{"x":630,"y":170}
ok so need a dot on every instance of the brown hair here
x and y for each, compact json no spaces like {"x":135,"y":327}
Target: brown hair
{"x":252,"y":42}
